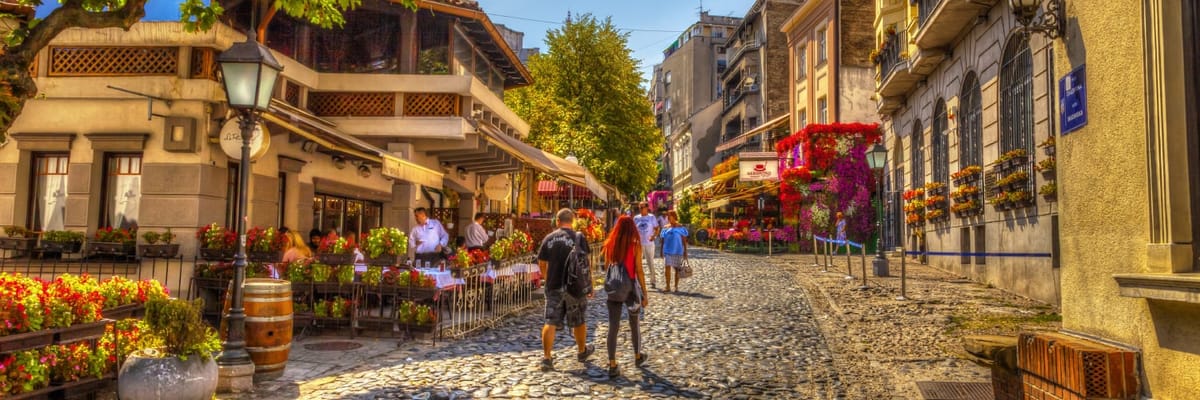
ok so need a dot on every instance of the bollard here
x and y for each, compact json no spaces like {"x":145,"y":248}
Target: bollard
{"x":827,"y":256}
{"x":816,"y":252}
{"x":864,"y":265}
{"x":903,"y":275}
{"x":770,"y":242}
{"x":849,"y":263}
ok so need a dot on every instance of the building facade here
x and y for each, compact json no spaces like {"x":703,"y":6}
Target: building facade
{"x":966,"y":103}
{"x":832,"y":78}
{"x":754,"y":86}
{"x":1130,"y":211}
{"x":685,"y":85}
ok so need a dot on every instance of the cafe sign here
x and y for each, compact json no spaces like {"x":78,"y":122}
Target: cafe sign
{"x":758,"y":166}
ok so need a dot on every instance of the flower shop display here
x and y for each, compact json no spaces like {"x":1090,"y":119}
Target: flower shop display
{"x":62,"y":241}
{"x":159,"y":245}
{"x":216,"y":242}
{"x":173,"y":337}
{"x":823,"y":171}
{"x":118,"y":242}
{"x":385,"y":246}
{"x":335,"y":251}
{"x":264,"y":245}
{"x":17,"y":238}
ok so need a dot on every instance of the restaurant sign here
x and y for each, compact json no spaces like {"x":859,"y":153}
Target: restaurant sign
{"x":403,"y":170}
{"x":758,"y":166}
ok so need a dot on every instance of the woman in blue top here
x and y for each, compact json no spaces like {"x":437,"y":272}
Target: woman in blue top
{"x":674,"y":248}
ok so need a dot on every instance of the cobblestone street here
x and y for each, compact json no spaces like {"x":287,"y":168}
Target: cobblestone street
{"x":743,"y":328}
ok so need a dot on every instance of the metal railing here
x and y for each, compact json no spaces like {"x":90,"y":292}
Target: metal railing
{"x":890,"y":57}
{"x":925,"y":10}
{"x":167,"y":271}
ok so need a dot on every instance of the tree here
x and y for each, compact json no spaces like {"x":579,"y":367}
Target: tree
{"x":587,"y":100}
{"x":30,"y":35}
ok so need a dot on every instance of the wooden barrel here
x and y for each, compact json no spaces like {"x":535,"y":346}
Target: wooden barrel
{"x":268,"y":304}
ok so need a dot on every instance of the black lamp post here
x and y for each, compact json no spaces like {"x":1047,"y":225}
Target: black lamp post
{"x":249,"y":72}
{"x":877,"y":160}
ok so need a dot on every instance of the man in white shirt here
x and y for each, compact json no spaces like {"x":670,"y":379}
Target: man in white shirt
{"x":647,"y":226}
{"x":477,"y":236}
{"x":428,"y":239}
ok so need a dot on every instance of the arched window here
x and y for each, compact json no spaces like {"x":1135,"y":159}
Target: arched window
{"x":970,"y":124}
{"x":918,"y":155}
{"x":1016,"y":96}
{"x":941,"y":144}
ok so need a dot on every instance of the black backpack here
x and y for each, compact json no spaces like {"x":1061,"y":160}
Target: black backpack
{"x":578,"y":280}
{"x":619,"y":286}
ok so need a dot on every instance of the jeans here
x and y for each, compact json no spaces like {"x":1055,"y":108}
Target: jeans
{"x":648,"y":263}
{"x":614,"y":327}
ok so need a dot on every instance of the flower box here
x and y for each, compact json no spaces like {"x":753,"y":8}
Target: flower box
{"x":336,"y":259}
{"x":264,"y":256}
{"x":61,"y":247}
{"x":420,"y":328}
{"x":1049,"y":150}
{"x":420,"y":294}
{"x":26,"y":341}
{"x":384,"y":260}
{"x":158,"y":250}
{"x":77,"y":332}
{"x":23,"y":244}
{"x":122,"y":312}
{"x":211,"y":254}
{"x":113,"y":248}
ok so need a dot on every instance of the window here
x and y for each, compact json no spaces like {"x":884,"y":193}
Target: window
{"x":941,"y":145}
{"x":822,"y":110}
{"x":801,"y":63}
{"x":231,"y":199}
{"x":434,"y":45}
{"x":1016,"y":96}
{"x":717,"y":33}
{"x":122,"y":191}
{"x":970,"y":124}
{"x":802,"y":118}
{"x":49,"y":192}
{"x":345,"y":215}
{"x":821,"y":46}
{"x":918,"y":155}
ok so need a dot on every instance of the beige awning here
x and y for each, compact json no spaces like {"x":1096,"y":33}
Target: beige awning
{"x":745,"y":194}
{"x":541,"y":160}
{"x":740,"y":139}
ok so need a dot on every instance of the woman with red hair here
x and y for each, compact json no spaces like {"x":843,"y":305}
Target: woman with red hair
{"x":623,"y":249}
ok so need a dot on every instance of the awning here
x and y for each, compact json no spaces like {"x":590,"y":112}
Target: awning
{"x":335,"y":140}
{"x":543,"y":161}
{"x":745,"y":194}
{"x":551,"y":189}
{"x":741,"y":139}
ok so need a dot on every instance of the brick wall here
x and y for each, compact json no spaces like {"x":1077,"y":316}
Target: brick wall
{"x":857,"y":31}
{"x":1059,"y":367}
{"x":775,"y":62}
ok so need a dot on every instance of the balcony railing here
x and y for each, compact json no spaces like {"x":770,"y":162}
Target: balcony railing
{"x":738,"y":94}
{"x":889,"y":57}
{"x":112,"y":61}
{"x":383,"y":104}
{"x":925,"y":10}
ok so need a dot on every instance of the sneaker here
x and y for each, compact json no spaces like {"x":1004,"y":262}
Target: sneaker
{"x":547,"y":364}
{"x":614,"y":371}
{"x":639,"y":360}
{"x":652,"y":286}
{"x":587,"y":353}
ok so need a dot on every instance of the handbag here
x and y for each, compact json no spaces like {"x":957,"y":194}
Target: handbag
{"x":619,"y":286}
{"x":685,"y":269}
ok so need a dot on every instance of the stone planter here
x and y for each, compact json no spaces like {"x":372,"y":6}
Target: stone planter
{"x":22,"y":244}
{"x":158,"y":250}
{"x":61,"y":247}
{"x":147,"y":378}
{"x":113,"y":248}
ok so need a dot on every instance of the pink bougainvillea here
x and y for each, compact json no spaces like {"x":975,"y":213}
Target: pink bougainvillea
{"x":831,"y":176}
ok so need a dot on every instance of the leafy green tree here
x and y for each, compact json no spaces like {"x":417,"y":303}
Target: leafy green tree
{"x":587,"y":100}
{"x":26,"y":35}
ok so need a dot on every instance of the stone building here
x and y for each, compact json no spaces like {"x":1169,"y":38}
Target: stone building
{"x":831,"y":81}
{"x":966,"y":101}
{"x":685,"y":85}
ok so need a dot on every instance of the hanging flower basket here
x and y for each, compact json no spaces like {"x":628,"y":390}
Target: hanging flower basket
{"x":158,"y":250}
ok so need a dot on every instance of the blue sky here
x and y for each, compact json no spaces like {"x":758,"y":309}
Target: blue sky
{"x":647,"y":18}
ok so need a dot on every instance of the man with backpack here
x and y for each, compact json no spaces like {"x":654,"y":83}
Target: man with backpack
{"x":562,"y":259}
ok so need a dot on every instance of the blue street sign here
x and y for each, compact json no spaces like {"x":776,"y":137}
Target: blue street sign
{"x":1072,"y":100}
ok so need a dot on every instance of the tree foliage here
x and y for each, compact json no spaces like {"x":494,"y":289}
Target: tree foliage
{"x":26,"y":36}
{"x":587,"y":100}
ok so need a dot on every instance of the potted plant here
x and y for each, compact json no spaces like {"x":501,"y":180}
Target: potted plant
{"x":62,"y":241}
{"x":1049,"y":191}
{"x":117,"y":242}
{"x":175,"y":354}
{"x":935,"y":188}
{"x":499,"y":249}
{"x":17,"y":238}
{"x":159,"y":245}
{"x":216,"y":243}
{"x":1046,"y":166}
{"x":385,"y":246}
{"x":335,"y":252}
{"x":264,"y":245}
{"x":1048,"y":145}
{"x":1020,"y":198}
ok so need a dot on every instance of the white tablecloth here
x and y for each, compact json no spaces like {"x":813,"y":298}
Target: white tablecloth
{"x":534,"y":272}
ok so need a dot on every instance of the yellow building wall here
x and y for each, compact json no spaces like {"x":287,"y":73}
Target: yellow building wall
{"x":1103,"y":193}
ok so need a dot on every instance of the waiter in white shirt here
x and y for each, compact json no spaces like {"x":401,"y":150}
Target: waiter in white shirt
{"x":477,"y":236}
{"x":428,"y":239}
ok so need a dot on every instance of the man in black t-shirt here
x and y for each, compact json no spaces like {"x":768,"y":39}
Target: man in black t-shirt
{"x":561,"y":306}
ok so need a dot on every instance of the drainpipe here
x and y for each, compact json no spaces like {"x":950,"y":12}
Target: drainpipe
{"x":835,"y":66}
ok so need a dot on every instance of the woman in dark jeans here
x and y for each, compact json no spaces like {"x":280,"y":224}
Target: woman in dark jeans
{"x":623,"y":249}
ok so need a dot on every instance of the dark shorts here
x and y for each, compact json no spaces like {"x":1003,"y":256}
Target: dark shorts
{"x":564,"y":308}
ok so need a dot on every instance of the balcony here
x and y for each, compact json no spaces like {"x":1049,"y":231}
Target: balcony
{"x":737,"y":95}
{"x":942,"y":21}
{"x":895,"y":78}
{"x":926,"y":60}
{"x":889,"y":105}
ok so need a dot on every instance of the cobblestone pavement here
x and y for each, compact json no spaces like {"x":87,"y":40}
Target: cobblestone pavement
{"x":741,"y":329}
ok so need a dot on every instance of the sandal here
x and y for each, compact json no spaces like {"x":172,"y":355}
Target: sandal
{"x":639,"y":360}
{"x":614,"y":371}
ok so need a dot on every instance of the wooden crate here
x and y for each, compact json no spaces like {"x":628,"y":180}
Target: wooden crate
{"x":1083,"y":368}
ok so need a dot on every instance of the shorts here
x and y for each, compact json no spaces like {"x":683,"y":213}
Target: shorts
{"x":673,"y":260}
{"x":562,"y":307}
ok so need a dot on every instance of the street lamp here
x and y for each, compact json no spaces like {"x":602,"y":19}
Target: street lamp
{"x":877,"y":160}
{"x":1050,"y":23}
{"x":571,"y":186}
{"x":248,"y":73}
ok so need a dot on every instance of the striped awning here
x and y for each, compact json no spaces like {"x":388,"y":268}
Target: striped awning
{"x":551,"y":189}
{"x":741,"y":139}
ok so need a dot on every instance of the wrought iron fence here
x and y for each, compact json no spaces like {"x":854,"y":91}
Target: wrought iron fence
{"x":46,"y":265}
{"x":925,"y":10}
{"x":890,"y":56}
